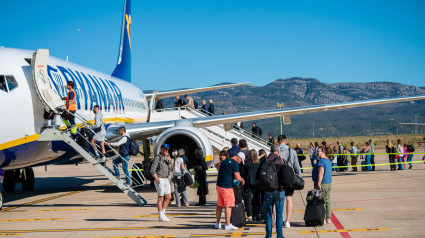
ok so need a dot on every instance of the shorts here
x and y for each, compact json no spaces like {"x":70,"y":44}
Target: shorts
{"x":162,"y":188}
{"x":100,"y":136}
{"x":225,"y":197}
{"x":289,"y":192}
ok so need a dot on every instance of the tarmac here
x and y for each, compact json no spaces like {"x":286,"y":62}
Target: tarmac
{"x":76,"y":201}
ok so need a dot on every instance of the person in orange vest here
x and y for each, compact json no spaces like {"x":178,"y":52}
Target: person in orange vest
{"x":71,"y":106}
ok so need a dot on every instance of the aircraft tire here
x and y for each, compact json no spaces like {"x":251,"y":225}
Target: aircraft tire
{"x":27,"y":179}
{"x":9,"y":181}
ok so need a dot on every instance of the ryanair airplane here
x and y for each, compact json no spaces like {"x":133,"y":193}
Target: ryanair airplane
{"x":33,"y":83}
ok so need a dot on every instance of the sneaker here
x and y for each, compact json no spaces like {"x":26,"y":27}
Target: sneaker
{"x":187,"y":205}
{"x":274,"y":223}
{"x":328,"y":221}
{"x":166,"y":218}
{"x":287,"y":224}
{"x":230,"y":227}
{"x":217,"y":226}
{"x":103,"y":160}
{"x":163,"y":218}
{"x":249,"y":219}
{"x":410,"y":167}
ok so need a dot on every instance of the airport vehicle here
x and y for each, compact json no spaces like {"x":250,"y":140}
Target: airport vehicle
{"x":32,"y":83}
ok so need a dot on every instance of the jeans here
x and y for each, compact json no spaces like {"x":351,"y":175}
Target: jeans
{"x":334,"y":167}
{"x":367,"y":159}
{"x":124,"y":167}
{"x":301,"y":165}
{"x":400,"y":165}
{"x":274,"y":197}
{"x":409,"y":159}
{"x":177,"y":194}
{"x":372,"y":161}
{"x":248,"y":193}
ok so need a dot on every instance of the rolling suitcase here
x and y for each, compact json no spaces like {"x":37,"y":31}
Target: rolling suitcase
{"x":238,"y":217}
{"x":314,"y":213}
{"x":364,"y":168}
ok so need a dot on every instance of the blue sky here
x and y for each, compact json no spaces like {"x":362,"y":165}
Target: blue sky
{"x":197,"y":43}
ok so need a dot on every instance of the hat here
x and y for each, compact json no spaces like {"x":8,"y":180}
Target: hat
{"x":242,"y":155}
{"x":165,"y":146}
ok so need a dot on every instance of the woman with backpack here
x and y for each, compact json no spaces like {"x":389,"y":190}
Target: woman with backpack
{"x":201,"y":176}
{"x":250,"y":190}
{"x":178,"y":167}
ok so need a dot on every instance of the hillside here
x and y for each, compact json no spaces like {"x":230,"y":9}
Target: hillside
{"x":295,"y":92}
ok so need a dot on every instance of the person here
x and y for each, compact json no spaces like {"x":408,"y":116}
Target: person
{"x":316,"y":146}
{"x":181,"y":154}
{"x":123,"y":149}
{"x":235,"y":148}
{"x":179,"y":166}
{"x":262,"y":155}
{"x":204,"y":106}
{"x":322,"y":178}
{"x":159,"y":104}
{"x":71,"y":108}
{"x":291,"y":158}
{"x":400,"y":155}
{"x":159,"y":171}
{"x":391,"y":156}
{"x":372,"y":154}
{"x":222,"y":156}
{"x":334,"y":159}
{"x":271,"y":139}
{"x":312,"y":152}
{"x":345,"y":159}
{"x":249,"y":189}
{"x":201,"y":176}
{"x":211,"y":108}
{"x":179,"y":102}
{"x":340,"y":157}
{"x":354,"y":156}
{"x":300,"y":154}
{"x":229,"y":170}
{"x":410,"y":150}
{"x":243,"y":147}
{"x":243,"y":125}
{"x":274,"y":197}
{"x":100,"y":133}
{"x":190,"y":102}
{"x":256,"y":130}
{"x":367,"y":156}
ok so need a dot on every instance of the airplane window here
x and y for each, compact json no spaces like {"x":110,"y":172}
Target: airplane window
{"x":3,"y":83}
{"x":11,"y":82}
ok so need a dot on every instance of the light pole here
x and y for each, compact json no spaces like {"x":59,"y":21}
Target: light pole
{"x":280,"y":105}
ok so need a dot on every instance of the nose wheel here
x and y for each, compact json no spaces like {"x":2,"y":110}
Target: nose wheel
{"x":27,"y":179}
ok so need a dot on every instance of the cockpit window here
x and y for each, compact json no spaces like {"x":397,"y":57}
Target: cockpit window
{"x":11,"y":82}
{"x":3,"y":83}
{"x":8,"y":83}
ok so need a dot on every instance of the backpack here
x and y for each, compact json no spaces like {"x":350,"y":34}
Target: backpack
{"x":268,"y":176}
{"x":147,"y":170}
{"x":133,"y":148}
{"x":411,"y":148}
{"x":287,"y":174}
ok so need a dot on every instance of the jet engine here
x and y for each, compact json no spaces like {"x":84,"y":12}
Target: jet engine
{"x":188,"y":138}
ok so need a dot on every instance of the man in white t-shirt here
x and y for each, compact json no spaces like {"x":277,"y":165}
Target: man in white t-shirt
{"x":179,"y":186}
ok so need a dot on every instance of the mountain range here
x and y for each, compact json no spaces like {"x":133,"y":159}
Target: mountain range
{"x":297,"y":91}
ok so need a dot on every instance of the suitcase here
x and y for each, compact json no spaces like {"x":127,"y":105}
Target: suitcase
{"x":238,"y":217}
{"x":364,"y":168}
{"x":314,"y":213}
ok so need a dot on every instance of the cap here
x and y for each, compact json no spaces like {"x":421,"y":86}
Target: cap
{"x":165,"y":146}
{"x":242,"y":155}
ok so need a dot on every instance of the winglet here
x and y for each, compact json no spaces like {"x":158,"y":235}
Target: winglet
{"x":123,"y":69}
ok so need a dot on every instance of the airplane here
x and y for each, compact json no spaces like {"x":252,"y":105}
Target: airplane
{"x":31,"y":87}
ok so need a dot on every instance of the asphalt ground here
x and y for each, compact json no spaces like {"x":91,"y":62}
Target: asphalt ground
{"x":76,"y":201}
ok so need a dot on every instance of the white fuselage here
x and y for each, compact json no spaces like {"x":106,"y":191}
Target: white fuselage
{"x":22,"y":112}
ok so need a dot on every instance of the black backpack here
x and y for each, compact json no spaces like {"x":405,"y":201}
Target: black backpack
{"x":411,"y":148}
{"x":147,"y":170}
{"x":133,"y":148}
{"x":287,"y":174}
{"x":268,"y":176}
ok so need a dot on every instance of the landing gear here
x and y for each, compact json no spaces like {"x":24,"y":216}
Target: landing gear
{"x":27,"y":179}
{"x":25,"y":176}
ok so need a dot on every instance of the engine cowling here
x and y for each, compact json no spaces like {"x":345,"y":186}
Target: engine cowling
{"x":189,"y":138}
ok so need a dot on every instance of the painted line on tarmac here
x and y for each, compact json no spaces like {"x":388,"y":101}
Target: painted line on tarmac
{"x":11,"y":234}
{"x":338,"y":226}
{"x":238,"y":232}
{"x":172,"y":215}
{"x":36,"y":219}
{"x":15,"y":211}
{"x":372,"y":199}
{"x":46,"y":199}
{"x":60,"y":210}
{"x":343,"y":209}
{"x":138,"y":237}
{"x":346,"y":230}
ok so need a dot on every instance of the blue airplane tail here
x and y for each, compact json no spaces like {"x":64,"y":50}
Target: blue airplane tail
{"x":123,"y":69}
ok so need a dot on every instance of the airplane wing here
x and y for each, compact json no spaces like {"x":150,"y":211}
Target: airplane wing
{"x":412,"y":124}
{"x":143,"y":130}
{"x":194,"y":90}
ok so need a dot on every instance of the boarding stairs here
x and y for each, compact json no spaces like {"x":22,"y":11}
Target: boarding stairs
{"x":218,"y":135}
{"x":53,"y":133}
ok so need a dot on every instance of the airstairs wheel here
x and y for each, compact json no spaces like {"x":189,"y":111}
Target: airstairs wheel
{"x":27,"y":179}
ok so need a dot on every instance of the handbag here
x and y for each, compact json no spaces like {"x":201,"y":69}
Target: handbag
{"x":298,"y":183}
